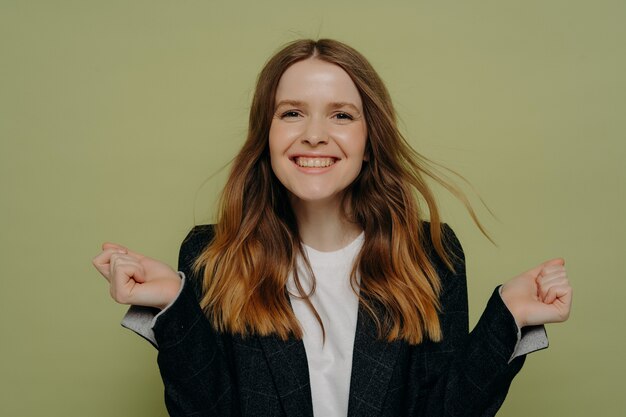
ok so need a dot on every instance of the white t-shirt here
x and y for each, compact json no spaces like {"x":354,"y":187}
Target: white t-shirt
{"x":330,"y":363}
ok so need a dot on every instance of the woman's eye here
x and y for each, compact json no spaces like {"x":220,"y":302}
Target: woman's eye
{"x":290,"y":114}
{"x":344,"y":116}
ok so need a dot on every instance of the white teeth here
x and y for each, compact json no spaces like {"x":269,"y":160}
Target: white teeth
{"x":314,"y":162}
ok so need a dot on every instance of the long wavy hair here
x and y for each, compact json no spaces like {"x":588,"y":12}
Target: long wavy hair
{"x":246,"y":266}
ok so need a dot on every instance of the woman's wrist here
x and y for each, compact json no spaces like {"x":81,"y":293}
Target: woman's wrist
{"x":170,"y":292}
{"x":515,"y":307}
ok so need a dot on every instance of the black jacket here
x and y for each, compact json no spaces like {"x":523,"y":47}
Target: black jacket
{"x":206,"y":373}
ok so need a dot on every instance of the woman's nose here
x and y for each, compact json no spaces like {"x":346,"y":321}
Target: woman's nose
{"x":315,"y":132}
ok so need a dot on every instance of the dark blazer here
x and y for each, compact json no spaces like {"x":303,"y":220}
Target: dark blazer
{"x":206,"y":373}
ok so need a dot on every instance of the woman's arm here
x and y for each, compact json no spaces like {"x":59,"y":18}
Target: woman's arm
{"x":471,"y":373}
{"x":191,"y":357}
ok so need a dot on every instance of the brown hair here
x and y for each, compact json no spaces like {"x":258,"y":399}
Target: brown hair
{"x":256,"y":243}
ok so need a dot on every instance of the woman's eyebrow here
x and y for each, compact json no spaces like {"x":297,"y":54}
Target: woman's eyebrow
{"x":340,"y":104}
{"x":294,"y":103}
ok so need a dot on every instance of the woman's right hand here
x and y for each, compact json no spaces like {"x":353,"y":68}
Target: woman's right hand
{"x":137,"y":279}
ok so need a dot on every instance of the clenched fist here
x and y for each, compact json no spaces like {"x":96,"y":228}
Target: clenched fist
{"x":136,"y":279}
{"x":540,"y":295}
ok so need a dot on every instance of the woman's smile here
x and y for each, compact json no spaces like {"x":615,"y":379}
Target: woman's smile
{"x":314,"y":162}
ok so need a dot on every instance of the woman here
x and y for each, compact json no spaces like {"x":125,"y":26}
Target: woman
{"x":321,"y":290}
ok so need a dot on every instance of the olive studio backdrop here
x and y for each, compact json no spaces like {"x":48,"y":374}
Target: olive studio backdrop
{"x":112,"y":115}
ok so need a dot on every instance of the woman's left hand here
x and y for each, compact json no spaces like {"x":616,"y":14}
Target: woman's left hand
{"x":540,"y":295}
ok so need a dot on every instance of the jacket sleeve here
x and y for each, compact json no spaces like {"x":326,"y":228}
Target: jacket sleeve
{"x":191,"y":356}
{"x":471,"y":372}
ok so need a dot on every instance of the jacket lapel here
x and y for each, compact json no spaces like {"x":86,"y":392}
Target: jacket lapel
{"x":373,"y":362}
{"x":290,"y":372}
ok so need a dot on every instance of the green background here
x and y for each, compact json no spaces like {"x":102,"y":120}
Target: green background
{"x":114,"y":114}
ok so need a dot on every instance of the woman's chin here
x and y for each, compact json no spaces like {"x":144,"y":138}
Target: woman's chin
{"x":321,"y":199}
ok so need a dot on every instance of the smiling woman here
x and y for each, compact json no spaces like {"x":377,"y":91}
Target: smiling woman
{"x":322,"y":290}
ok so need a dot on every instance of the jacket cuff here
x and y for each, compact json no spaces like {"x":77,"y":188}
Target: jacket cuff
{"x":533,"y":338}
{"x":141,"y":319}
{"x":529,"y":338}
{"x":175,"y":321}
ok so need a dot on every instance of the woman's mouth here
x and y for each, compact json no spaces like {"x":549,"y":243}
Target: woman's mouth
{"x":305,"y":162}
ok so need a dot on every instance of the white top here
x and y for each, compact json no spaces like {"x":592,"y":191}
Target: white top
{"x":330,"y":363}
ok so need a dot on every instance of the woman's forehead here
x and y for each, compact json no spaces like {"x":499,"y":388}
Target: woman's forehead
{"x":313,"y":80}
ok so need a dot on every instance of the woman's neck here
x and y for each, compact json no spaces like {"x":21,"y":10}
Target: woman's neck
{"x":322,"y":226}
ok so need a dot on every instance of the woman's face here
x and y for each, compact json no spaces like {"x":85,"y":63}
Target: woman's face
{"x":318,"y":133}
